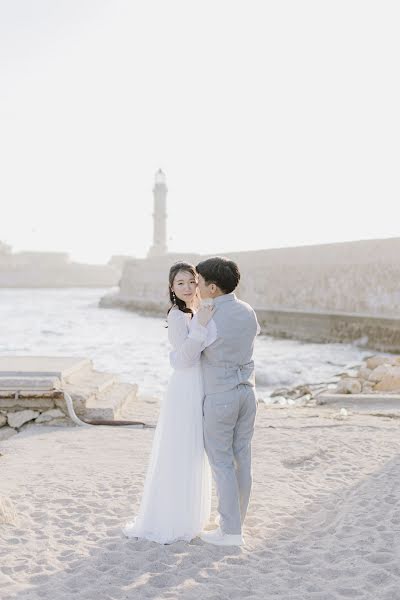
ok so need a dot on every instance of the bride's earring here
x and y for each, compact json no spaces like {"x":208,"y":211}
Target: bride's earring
{"x":173,"y":297}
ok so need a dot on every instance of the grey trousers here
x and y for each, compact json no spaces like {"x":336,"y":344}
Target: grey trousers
{"x":228,"y":425}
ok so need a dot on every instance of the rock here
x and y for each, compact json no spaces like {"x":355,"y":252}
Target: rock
{"x":278,"y":399}
{"x":3,"y":420}
{"x":364,"y":373}
{"x":386,"y":377}
{"x":302,"y":400}
{"x":380,"y":372}
{"x":368,"y":387}
{"x":27,"y":425}
{"x":294,"y":393}
{"x":348,"y":385}
{"x":389,"y":383}
{"x":376,"y":361}
{"x":279,"y":392}
{"x":7,"y":432}
{"x":16,"y":419}
{"x":21,"y":403}
{"x":61,"y":422}
{"x":48,"y":415}
{"x":300,"y":391}
{"x":282,"y":400}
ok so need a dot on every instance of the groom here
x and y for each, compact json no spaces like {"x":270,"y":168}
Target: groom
{"x":230,"y":405}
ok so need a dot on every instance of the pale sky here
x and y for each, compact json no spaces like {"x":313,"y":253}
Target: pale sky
{"x":276,"y":123}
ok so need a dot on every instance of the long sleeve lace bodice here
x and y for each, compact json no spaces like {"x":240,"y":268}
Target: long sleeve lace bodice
{"x":188,"y":338}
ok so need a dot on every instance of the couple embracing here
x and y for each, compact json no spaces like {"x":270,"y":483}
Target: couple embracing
{"x":207,"y":414}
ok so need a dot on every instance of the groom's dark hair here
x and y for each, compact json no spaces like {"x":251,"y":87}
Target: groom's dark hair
{"x":221,"y":271}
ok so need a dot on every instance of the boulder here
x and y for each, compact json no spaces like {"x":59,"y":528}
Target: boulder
{"x":368,"y":387}
{"x":381,"y":371}
{"x":376,"y":361}
{"x":16,"y":419}
{"x":7,"y":432}
{"x":389,"y":383}
{"x":48,"y":415}
{"x":3,"y":420}
{"x":348,"y":385}
{"x":364,"y":373}
{"x":278,"y":399}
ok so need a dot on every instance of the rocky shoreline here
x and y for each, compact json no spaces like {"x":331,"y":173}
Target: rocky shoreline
{"x":377,"y":377}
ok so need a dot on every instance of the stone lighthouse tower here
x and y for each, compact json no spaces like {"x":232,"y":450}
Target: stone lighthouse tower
{"x":159,"y":247}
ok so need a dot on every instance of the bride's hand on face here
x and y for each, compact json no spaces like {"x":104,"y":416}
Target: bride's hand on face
{"x":196,"y":301}
{"x":205,"y":313}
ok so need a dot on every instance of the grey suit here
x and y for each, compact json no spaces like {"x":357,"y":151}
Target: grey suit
{"x":230,"y":406}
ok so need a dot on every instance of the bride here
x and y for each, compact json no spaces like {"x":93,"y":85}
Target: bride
{"x":176,"y":500}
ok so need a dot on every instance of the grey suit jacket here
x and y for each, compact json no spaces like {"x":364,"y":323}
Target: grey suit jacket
{"x":229,"y":360}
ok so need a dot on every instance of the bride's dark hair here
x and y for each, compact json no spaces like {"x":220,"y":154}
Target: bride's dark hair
{"x":174,"y":270}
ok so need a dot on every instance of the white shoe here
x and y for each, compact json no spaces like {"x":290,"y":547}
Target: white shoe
{"x":219,"y":538}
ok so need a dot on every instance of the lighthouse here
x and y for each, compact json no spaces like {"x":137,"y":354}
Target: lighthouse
{"x":159,"y":247}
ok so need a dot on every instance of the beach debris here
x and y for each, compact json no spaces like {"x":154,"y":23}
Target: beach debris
{"x":341,"y":414}
{"x":7,"y":511}
{"x":294,"y":392}
{"x":300,"y":395}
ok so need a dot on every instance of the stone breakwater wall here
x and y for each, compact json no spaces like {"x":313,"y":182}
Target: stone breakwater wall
{"x":378,"y":333}
{"x":347,"y":291}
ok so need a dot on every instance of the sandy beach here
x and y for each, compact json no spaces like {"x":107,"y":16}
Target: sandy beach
{"x":323,"y":521}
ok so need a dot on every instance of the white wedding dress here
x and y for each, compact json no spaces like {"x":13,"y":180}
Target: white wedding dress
{"x":176,"y":500}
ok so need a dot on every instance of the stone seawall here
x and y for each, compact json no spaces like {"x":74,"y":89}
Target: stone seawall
{"x":346,"y":291}
{"x":377,"y":333}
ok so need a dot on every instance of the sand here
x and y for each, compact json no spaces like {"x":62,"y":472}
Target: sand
{"x":323,"y":521}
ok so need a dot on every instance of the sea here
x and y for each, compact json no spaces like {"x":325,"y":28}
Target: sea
{"x":69,"y":322}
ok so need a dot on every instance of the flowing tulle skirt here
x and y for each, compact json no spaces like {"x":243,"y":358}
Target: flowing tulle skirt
{"x":176,"y":500}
